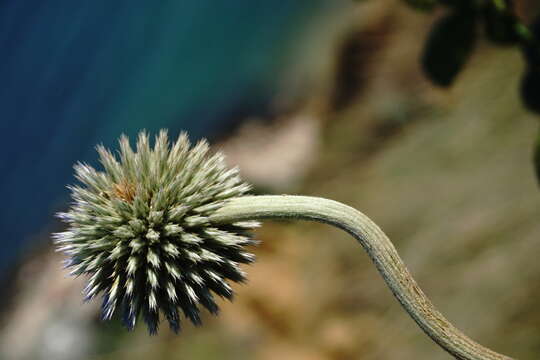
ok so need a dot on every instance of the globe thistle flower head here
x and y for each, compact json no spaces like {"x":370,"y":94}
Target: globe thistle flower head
{"x":139,"y":230}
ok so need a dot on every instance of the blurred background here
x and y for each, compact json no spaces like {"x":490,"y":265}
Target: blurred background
{"x":313,"y":97}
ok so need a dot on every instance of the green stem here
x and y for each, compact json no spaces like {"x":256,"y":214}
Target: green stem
{"x":524,"y":33}
{"x":500,"y":5}
{"x":380,"y":250}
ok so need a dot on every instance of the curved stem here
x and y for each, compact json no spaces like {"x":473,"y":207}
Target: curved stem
{"x":380,"y":250}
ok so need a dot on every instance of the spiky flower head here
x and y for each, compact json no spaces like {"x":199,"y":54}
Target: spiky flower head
{"x":140,"y":231}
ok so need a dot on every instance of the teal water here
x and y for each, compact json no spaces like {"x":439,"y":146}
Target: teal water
{"x":77,"y":73}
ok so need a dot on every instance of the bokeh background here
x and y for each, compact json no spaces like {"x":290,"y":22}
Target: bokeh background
{"x":315,"y":97}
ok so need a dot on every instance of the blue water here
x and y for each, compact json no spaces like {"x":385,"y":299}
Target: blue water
{"x":77,"y":73}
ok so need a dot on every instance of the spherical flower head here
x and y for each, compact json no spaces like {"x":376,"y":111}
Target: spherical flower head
{"x":140,"y":230}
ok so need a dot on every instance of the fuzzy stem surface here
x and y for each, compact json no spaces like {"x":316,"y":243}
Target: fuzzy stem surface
{"x":379,"y":248}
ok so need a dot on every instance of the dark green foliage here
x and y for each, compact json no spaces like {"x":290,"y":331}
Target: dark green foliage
{"x":430,"y":4}
{"x":500,"y":25}
{"x":422,"y":4}
{"x":458,"y":4}
{"x":530,"y":85}
{"x":531,"y":50}
{"x":530,"y":90}
{"x":452,"y":39}
{"x":449,"y":46}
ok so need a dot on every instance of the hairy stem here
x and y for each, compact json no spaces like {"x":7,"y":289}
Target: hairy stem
{"x":380,"y":250}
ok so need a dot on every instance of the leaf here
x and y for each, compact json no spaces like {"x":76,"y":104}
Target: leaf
{"x":531,"y":50}
{"x":458,"y":4}
{"x":530,"y":90}
{"x":449,"y":46}
{"x":500,"y":24}
{"x":424,"y":5}
{"x":530,"y":83}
